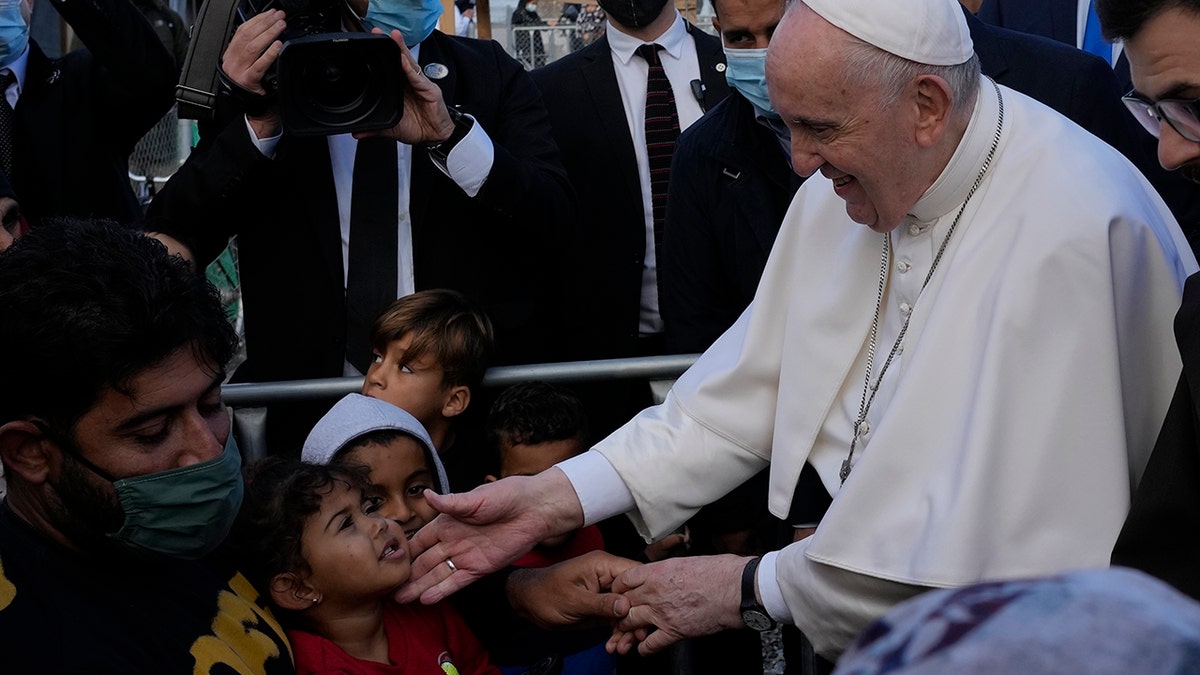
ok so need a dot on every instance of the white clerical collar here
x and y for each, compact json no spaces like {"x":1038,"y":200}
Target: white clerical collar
{"x":952,"y":186}
{"x":672,"y":40}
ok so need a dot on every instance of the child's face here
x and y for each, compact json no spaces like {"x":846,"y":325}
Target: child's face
{"x":401,"y":474}
{"x":416,"y":386}
{"x":353,"y":552}
{"x":527,"y":460}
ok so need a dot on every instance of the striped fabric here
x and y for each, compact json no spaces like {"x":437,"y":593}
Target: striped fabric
{"x":662,"y":129}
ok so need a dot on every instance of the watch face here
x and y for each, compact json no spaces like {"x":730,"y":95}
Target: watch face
{"x":756,"y":620}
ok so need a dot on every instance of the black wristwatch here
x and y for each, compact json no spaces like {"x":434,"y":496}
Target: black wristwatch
{"x":754,"y":615}
{"x":462,"y":126}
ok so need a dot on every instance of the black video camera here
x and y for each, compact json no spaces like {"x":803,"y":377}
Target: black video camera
{"x":329,"y":81}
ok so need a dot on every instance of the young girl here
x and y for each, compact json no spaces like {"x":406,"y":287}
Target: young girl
{"x":330,"y":563}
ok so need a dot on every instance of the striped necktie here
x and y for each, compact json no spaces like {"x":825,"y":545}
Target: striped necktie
{"x":662,"y":129}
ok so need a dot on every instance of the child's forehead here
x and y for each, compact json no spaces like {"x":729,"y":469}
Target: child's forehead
{"x":400,"y":448}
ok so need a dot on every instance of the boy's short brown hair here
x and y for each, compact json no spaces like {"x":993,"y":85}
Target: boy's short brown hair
{"x":445,"y":324}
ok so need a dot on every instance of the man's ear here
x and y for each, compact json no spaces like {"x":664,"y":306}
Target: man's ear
{"x":290,"y":591}
{"x":934,"y":102}
{"x":457,"y":400}
{"x":27,"y":452}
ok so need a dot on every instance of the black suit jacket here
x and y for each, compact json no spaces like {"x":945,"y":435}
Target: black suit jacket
{"x":588,"y":119}
{"x":1161,"y":536}
{"x":499,"y":247}
{"x":1079,"y":85}
{"x":79,"y":116}
{"x":731,"y":184}
{"x":1053,"y":19}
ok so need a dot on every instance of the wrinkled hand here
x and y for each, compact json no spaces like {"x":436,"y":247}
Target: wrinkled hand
{"x":425,"y":119}
{"x":487,"y":528}
{"x":675,"y":599}
{"x":572,"y":593}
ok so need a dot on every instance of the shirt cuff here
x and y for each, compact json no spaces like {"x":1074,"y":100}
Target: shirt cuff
{"x":265,"y":145}
{"x":769,"y":591}
{"x":601,"y":491}
{"x":470,"y":161}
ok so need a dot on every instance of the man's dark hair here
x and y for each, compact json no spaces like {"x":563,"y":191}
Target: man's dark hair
{"x":88,"y":305}
{"x":1122,"y":19}
{"x":535,"y":412}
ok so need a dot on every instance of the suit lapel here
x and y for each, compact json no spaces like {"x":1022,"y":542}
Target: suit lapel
{"x":712,"y":67}
{"x":600,"y":81}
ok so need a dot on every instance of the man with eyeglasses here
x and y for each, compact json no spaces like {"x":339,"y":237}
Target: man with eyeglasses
{"x":1162,"y":42}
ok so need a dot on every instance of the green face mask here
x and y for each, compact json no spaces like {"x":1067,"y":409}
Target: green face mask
{"x":185,"y":512}
{"x":181,"y":513}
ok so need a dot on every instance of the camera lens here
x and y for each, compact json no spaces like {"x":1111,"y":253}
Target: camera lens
{"x":337,"y":84}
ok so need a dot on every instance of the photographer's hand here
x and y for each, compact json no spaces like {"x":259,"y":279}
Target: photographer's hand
{"x":425,"y":117}
{"x":254,"y":47}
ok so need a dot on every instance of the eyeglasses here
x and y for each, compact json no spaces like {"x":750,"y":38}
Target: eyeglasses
{"x":1183,"y":116}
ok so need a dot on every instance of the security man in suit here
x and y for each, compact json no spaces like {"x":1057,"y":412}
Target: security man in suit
{"x":466,"y":193}
{"x":597,"y":99}
{"x":67,"y":125}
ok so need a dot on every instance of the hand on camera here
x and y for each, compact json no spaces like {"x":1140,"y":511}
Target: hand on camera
{"x":425,"y":117}
{"x":251,"y":52}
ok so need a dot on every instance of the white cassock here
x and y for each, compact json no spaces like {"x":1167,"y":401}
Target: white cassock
{"x":1007,"y":434}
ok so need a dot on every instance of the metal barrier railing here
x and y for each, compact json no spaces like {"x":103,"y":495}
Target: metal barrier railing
{"x":648,"y":367}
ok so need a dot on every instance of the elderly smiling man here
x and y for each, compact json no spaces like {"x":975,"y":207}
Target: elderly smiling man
{"x":964,"y":327}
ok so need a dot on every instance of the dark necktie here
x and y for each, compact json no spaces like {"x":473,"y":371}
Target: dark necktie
{"x":371,"y":279}
{"x":7,"y":124}
{"x":662,"y":129}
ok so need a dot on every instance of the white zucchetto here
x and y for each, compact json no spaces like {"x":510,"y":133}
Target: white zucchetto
{"x":932,"y":32}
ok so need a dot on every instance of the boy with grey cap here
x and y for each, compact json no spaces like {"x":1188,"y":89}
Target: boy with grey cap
{"x":392,"y":444}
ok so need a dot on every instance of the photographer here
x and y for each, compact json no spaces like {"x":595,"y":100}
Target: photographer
{"x":474,"y":195}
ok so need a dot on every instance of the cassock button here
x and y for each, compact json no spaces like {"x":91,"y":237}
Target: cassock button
{"x":914,"y":229}
{"x":436,"y":71}
{"x":720,"y":67}
{"x":903,"y":266}
{"x":905,"y":308}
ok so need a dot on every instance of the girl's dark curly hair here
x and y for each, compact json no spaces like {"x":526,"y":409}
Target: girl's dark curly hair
{"x":281,"y":495}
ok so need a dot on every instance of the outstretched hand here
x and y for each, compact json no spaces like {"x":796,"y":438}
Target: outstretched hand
{"x":575,"y":592}
{"x":425,"y":118}
{"x":675,"y":599}
{"x":480,"y":531}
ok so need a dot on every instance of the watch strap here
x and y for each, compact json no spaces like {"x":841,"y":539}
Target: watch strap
{"x":462,"y":126}
{"x":753,"y":613}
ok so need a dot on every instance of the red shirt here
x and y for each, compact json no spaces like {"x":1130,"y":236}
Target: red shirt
{"x":422,"y":640}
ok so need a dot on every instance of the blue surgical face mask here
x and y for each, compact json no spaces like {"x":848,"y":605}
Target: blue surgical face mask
{"x":181,"y":513}
{"x":415,"y":19}
{"x":14,"y":32}
{"x":746,"y":71}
